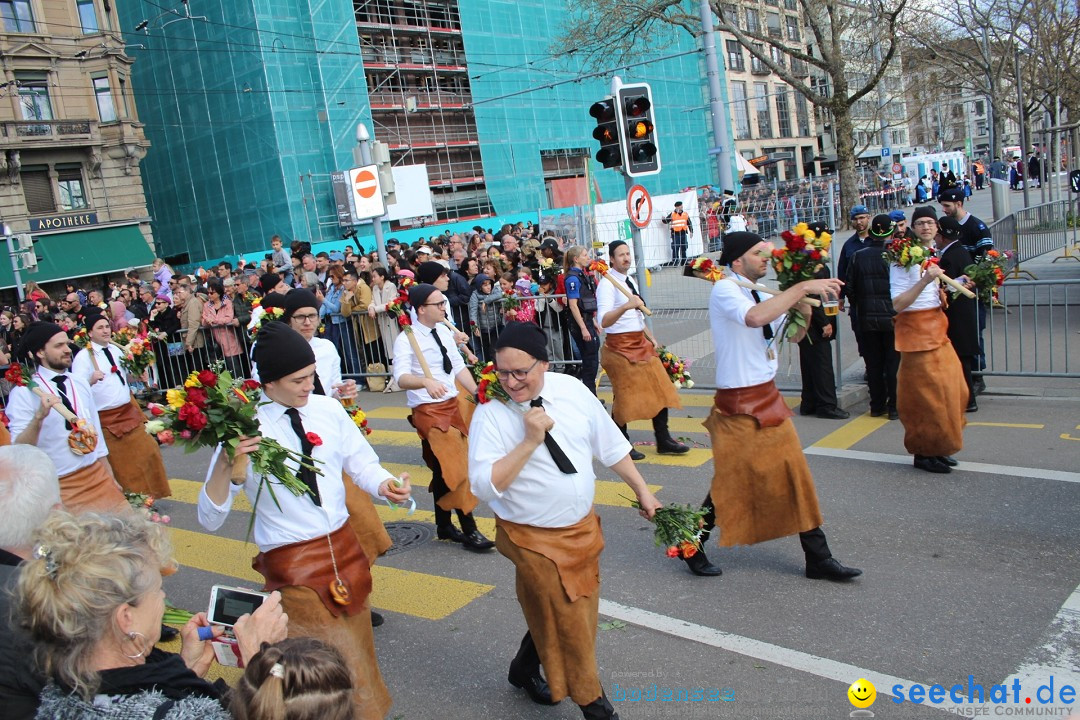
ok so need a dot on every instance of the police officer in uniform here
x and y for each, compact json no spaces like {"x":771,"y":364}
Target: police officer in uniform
{"x":681,"y":229}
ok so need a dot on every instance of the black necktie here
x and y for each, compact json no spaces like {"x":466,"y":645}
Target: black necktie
{"x":552,"y":445}
{"x":766,"y":329}
{"x":318,"y":386}
{"x":61,"y":385}
{"x":112,"y":363}
{"x":305,"y":474}
{"x":630,"y":284}
{"x":447,"y":366}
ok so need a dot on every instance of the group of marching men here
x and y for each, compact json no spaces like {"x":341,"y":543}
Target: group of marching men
{"x":530,"y":458}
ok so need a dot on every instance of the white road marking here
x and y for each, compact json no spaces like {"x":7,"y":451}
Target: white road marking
{"x":1033,"y":473}
{"x":1058,"y":655}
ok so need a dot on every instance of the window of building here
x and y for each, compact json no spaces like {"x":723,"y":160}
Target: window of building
{"x":778,"y":56}
{"x":37,"y":190}
{"x":783,"y":113}
{"x":87,"y":16}
{"x":802,"y":117}
{"x":792,"y":27}
{"x":72,"y":192}
{"x":103,"y":94}
{"x":753,"y":21}
{"x":764,"y":117}
{"x":773,"y":21}
{"x":735,"y":59}
{"x":980,"y":107}
{"x":123,"y":97}
{"x":756,"y":66}
{"x":741,"y":111}
{"x":731,"y":13}
{"x":899,"y":137}
{"x":791,"y":4}
{"x":34,"y":95}
{"x":17,"y":15}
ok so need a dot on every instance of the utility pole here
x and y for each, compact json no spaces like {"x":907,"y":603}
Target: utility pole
{"x":14,"y":257}
{"x":1023,"y":123}
{"x":721,"y":141}
{"x":363,"y":141}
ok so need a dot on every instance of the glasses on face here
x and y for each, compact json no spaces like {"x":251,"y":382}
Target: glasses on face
{"x":434,"y":304}
{"x":925,"y":223}
{"x":314,"y":317}
{"x":519,"y":375}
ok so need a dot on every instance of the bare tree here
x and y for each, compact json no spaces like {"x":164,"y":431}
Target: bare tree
{"x":852,"y":45}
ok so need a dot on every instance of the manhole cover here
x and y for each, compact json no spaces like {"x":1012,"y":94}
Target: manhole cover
{"x":407,"y":536}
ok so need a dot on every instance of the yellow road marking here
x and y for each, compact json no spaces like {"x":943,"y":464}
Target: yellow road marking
{"x":687,"y":399}
{"x":1027,"y":426}
{"x":852,"y":432}
{"x":428,"y":596}
{"x":391,"y":412}
{"x":695,"y":458}
{"x":679,"y":425}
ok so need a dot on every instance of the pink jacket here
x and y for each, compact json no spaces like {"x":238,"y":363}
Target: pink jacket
{"x":225,"y":336}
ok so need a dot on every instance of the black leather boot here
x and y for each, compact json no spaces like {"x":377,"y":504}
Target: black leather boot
{"x":635,"y":454}
{"x":525,"y":672}
{"x":665,"y":444}
{"x":699,"y":565}
{"x":599,"y":709}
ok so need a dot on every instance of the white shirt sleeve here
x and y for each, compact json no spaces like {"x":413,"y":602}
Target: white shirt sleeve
{"x":21,"y":406}
{"x":730,"y":302}
{"x":605,"y":300}
{"x":82,"y":367}
{"x":486,"y":447}
{"x":403,"y":356}
{"x":211,"y":515}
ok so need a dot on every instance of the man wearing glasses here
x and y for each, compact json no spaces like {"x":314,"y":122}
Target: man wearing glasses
{"x":436,"y":416}
{"x":531,"y":460}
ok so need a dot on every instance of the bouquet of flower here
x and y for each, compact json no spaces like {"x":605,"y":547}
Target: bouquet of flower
{"x":988,"y":274}
{"x":399,"y":308}
{"x":676,"y":369}
{"x":137,"y":356}
{"x":214,"y":408}
{"x":678,"y":528}
{"x":703,"y":267}
{"x":511,"y":304}
{"x":124,"y":336}
{"x":488,"y":387}
{"x":264,"y":316}
{"x":907,"y":253}
{"x":81,"y":337}
{"x":804,"y":253}
{"x":144,"y":503}
{"x":359,"y":417}
{"x":82,"y":438}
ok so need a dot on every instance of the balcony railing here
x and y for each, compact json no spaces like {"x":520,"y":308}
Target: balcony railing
{"x":33,"y":132}
{"x":413,"y":100}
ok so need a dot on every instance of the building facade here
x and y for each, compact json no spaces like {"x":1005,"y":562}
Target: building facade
{"x":70,"y":140}
{"x":251,"y":106}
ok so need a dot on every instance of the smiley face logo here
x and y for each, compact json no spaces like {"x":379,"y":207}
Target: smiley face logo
{"x":862,"y":693}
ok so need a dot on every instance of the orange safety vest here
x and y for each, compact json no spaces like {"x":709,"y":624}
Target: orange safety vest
{"x":679,"y":221}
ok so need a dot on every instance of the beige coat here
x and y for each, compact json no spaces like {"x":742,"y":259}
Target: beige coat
{"x":388,"y":327}
{"x":354,"y":305}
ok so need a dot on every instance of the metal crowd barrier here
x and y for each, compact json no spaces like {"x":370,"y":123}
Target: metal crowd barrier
{"x":1036,"y":330}
{"x":1032,"y":232}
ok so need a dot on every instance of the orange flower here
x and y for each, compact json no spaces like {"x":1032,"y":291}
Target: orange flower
{"x":688,"y":549}
{"x":240,"y":394}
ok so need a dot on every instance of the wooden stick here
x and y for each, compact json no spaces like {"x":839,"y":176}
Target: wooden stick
{"x":761,"y":288}
{"x":64,"y":412}
{"x":239,"y":470}
{"x":959,"y":287}
{"x":629,"y":295}
{"x":419,"y":355}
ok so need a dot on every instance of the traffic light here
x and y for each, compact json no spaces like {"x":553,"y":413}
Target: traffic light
{"x":607,"y":132}
{"x":380,"y":155}
{"x":24,"y":247}
{"x":642,"y":156}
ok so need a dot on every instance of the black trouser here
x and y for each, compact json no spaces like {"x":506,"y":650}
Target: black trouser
{"x":882,"y":362}
{"x":679,"y":243}
{"x":590,"y":351}
{"x":969,"y":363}
{"x":853,"y":315}
{"x":438,"y":488}
{"x":818,"y":378}
{"x":815,"y":546}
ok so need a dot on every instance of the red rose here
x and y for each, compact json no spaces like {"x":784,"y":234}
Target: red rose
{"x":197,"y":421}
{"x":314,"y":439}
{"x":403,"y":320}
{"x":816,"y":255}
{"x":481,"y":391}
{"x":156,"y":410}
{"x":673,"y":552}
{"x":165,"y":437}
{"x":197,"y":397}
{"x":796,"y":267}
{"x":186,"y":411}
{"x":207,"y":378}
{"x":251,"y":385}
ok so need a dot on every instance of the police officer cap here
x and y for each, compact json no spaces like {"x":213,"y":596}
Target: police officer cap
{"x":736,"y":245}
{"x":952,"y":194}
{"x":859,"y":210}
{"x":897,"y":216}
{"x":525,"y":336}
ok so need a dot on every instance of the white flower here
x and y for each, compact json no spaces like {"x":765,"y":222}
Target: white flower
{"x":154,"y":427}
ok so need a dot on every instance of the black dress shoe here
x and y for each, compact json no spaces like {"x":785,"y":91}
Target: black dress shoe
{"x":877,"y":413}
{"x":699,"y":565}
{"x":949,"y":460}
{"x":376,"y":619}
{"x":804,"y":410}
{"x":833,"y":414}
{"x":168,"y":633}
{"x":476,"y":542}
{"x":533,"y":684}
{"x":931,"y":464}
{"x":451,"y":533}
{"x":635,"y":455}
{"x":979,"y":385}
{"x":671,"y":446}
{"x":972,"y":406}
{"x":831,"y":569}
{"x":893,"y":415}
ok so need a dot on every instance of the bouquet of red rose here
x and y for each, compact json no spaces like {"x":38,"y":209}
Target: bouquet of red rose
{"x":988,"y":274}
{"x":678,"y":528}
{"x":703,"y":267}
{"x":81,"y":337}
{"x":214,"y":408}
{"x":359,"y":418}
{"x":137,"y":356}
{"x":907,"y":253}
{"x":676,"y":368}
{"x":488,"y":387}
{"x":804,"y":253}
{"x":262,"y":317}
{"x":124,"y":336}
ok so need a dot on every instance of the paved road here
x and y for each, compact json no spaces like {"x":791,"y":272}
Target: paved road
{"x":973,"y":573}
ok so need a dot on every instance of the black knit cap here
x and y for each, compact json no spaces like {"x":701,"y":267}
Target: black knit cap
{"x":737,"y":244}
{"x":430,"y":271}
{"x":280,"y":351}
{"x":93,"y":315}
{"x":273,"y":300}
{"x":882,"y":225}
{"x":296,"y":299}
{"x":950,"y":229}
{"x":269,"y":281}
{"x":418,"y":294}
{"x":613,"y":246}
{"x":37,"y":336}
{"x":952,"y":194}
{"x":923,"y":211}
{"x":527,"y":337}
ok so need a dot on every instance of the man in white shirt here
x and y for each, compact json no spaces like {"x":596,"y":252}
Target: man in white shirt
{"x":640,"y":385}
{"x":761,"y":487}
{"x":306,"y":549}
{"x":86,"y":481}
{"x":134,"y":455}
{"x":436,"y":415}
{"x":543,"y":503}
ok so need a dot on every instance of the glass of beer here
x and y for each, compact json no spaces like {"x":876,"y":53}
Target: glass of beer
{"x":830,"y":304}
